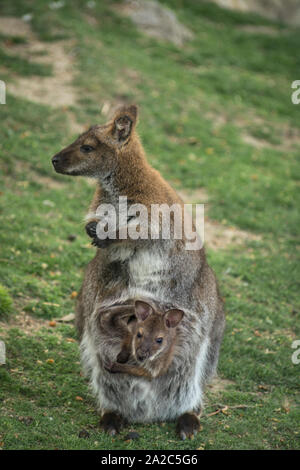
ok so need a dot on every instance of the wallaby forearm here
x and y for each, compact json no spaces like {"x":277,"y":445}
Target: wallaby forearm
{"x":130,"y":370}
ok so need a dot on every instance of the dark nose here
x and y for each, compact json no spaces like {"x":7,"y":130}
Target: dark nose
{"x":142,"y":355}
{"x":141,"y":358}
{"x":55,"y":160}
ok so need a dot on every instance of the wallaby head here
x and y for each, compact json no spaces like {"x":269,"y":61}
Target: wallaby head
{"x":96,"y":152}
{"x":154,"y":331}
{"x":116,"y":320}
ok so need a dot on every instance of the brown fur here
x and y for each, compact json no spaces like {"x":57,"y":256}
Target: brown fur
{"x":141,"y":341}
{"x":163,"y":270}
{"x":125,"y":157}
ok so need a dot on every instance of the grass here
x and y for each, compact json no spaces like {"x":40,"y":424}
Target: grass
{"x":196,"y":104}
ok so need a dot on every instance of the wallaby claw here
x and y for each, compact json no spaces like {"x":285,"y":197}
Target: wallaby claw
{"x":94,"y":242}
{"x":101,"y":243}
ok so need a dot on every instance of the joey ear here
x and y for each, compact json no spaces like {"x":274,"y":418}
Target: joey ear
{"x":173,"y":317}
{"x":124,"y":122}
{"x":142,"y":310}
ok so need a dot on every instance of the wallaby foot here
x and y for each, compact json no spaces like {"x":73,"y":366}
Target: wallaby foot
{"x":123,"y":356}
{"x":187,"y":425}
{"x":112,"y":423}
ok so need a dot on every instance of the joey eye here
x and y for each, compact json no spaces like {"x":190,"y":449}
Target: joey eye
{"x":159,"y":340}
{"x":86,"y":148}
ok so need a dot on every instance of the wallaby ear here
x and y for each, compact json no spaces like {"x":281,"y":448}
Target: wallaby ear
{"x":124,"y":122}
{"x":142,"y":310}
{"x":173,"y":317}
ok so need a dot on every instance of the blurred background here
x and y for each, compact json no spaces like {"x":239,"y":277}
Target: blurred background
{"x":213,"y":80}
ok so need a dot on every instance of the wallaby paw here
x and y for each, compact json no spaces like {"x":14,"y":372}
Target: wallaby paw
{"x":111,"y":423}
{"x":91,"y":229}
{"x":187,"y":426}
{"x":114,"y":368}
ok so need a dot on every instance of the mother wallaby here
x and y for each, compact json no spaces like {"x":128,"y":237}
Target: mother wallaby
{"x":166,"y":270}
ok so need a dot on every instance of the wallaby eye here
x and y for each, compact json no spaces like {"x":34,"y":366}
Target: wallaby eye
{"x":86,"y":148}
{"x":159,"y":340}
{"x":139,"y":335}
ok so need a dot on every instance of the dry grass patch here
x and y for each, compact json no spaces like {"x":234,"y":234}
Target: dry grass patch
{"x":217,"y":236}
{"x":56,"y":90}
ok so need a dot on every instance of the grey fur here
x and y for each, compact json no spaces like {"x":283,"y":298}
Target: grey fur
{"x":162,"y":270}
{"x":200,"y":333}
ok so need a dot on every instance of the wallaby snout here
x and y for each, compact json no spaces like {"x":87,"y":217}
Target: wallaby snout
{"x":57,"y":162}
{"x":66,"y":161}
{"x":142,"y":354}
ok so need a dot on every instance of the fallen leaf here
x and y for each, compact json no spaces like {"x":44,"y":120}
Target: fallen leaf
{"x":67,"y":318}
{"x":263,"y":387}
{"x":51,"y":304}
{"x":286,"y":405}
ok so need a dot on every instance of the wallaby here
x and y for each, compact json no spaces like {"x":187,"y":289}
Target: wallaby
{"x":164,"y":270}
{"x":150,"y":339}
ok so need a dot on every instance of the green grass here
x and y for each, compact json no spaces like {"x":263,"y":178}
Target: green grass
{"x":224,"y":72}
{"x":5,"y":303}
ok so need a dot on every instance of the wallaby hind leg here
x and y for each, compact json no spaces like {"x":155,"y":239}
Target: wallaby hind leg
{"x":188,"y":425}
{"x":112,"y":422}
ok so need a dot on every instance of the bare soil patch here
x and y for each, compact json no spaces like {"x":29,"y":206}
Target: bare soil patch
{"x":260,"y":29}
{"x":218,"y":385}
{"x":22,"y":167}
{"x":55,"y":90}
{"x":155,"y":20}
{"x":217,"y":235}
{"x":26,"y":323}
{"x":289,"y":139}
